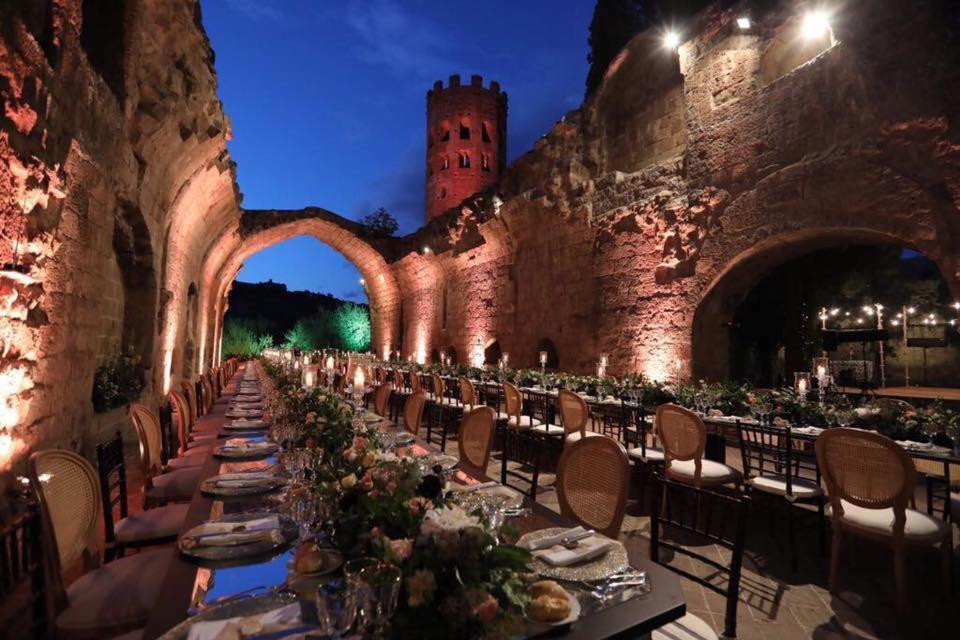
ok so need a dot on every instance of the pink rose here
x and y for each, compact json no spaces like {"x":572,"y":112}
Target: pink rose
{"x":391,"y":486}
{"x":366,"y":482}
{"x":419,"y":505}
{"x":486,"y":610}
{"x":401,"y":548}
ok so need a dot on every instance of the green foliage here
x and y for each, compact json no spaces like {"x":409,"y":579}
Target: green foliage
{"x":380,"y":223}
{"x":241,"y":340}
{"x":352,"y":323}
{"x":116,"y":382}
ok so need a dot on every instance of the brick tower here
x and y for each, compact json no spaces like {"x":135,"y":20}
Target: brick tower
{"x":466,"y":141}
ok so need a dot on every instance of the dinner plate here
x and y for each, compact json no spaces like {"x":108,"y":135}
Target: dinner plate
{"x":332,"y":560}
{"x":246,"y":453}
{"x":241,"y":607}
{"x":446,"y":462}
{"x":240,"y":553}
{"x":404,"y":438}
{"x":251,"y":425}
{"x":244,"y":414}
{"x":211,"y":487}
{"x":614,"y":560}
{"x":570,"y":619}
{"x":512,"y":499}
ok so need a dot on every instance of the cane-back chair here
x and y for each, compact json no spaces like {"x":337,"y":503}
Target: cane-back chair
{"x":593,"y":481}
{"x":684,"y":438}
{"x":159,"y":488}
{"x":381,"y":399}
{"x":476,"y":437}
{"x":413,"y":411}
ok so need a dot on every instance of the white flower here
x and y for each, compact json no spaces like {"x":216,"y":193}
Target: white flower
{"x":452,"y":518}
{"x":348,"y":481}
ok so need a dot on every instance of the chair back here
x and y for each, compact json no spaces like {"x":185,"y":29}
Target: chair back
{"x":381,"y":399}
{"x":398,"y":379}
{"x":147,"y":424}
{"x":21,"y":562}
{"x":868,"y":470}
{"x":184,"y":424}
{"x":190,"y":393}
{"x":468,"y":395}
{"x":111,"y":472}
{"x":69,"y":495}
{"x":439,"y":387}
{"x":718,"y":519}
{"x":201,"y":395}
{"x":378,"y":376}
{"x":416,"y":384}
{"x":476,"y":437}
{"x":682,"y":434}
{"x":513,"y":400}
{"x":767,"y":450}
{"x":574,"y":411}
{"x":413,"y":411}
{"x":593,"y":479}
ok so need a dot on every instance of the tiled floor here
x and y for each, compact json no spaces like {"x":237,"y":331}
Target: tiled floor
{"x":776,"y":602}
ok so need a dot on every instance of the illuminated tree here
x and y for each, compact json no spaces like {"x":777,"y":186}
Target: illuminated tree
{"x":240,"y":339}
{"x":352,"y":323}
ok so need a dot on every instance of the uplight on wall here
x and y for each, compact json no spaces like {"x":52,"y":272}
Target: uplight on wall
{"x":816,"y":24}
{"x":743,"y":23}
{"x":671,"y":40}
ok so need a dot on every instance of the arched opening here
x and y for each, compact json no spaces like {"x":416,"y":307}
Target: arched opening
{"x":763,"y":319}
{"x":435,"y":356}
{"x":492,"y":353}
{"x":553,"y":359}
{"x":452,"y":355}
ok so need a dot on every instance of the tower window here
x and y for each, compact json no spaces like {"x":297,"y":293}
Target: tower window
{"x":464,"y":160}
{"x":444,"y":134}
{"x":464,"y":131}
{"x":484,"y":134}
{"x":485,"y":162}
{"x":446,"y":164}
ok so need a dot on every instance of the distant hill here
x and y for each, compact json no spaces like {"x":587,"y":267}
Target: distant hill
{"x":274,"y":309}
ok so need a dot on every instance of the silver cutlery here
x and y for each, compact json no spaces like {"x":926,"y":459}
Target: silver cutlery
{"x":573,"y":541}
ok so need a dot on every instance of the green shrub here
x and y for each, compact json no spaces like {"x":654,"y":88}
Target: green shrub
{"x":116,"y":382}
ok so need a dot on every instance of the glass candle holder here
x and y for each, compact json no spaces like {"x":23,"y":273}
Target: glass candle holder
{"x":801,"y":383}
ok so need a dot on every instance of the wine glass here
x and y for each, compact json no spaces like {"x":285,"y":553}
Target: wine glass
{"x":355,"y":574}
{"x":383,"y":584}
{"x":336,"y":609}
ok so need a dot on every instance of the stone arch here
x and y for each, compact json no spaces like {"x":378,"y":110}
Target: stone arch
{"x":261,"y":229}
{"x":710,"y":332}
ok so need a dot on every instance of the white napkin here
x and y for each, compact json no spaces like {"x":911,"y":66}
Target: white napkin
{"x":234,"y":446}
{"x":476,"y":487}
{"x":910,"y":444}
{"x":549,"y":541}
{"x":211,"y":629}
{"x":588,"y":548}
{"x":244,"y":475}
{"x":810,"y":431}
{"x":222,"y":533}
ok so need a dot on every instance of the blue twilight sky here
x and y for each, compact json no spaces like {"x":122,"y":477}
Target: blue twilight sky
{"x":327,"y":100}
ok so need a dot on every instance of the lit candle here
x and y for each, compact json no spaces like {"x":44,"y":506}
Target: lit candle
{"x":504,"y":360}
{"x":329,"y":364}
{"x":802,"y":386}
{"x":543,"y":357}
{"x":358,"y":380}
{"x":821,"y":372}
{"x":308,"y":379}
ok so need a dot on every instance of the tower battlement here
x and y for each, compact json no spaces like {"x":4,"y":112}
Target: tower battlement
{"x":466,"y":140}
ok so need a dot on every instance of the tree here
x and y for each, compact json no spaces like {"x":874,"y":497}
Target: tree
{"x":241,"y":340}
{"x":352,"y":323}
{"x":614,"y":23}
{"x":380,"y":223}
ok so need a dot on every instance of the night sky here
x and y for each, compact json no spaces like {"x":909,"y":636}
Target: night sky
{"x":327,"y":100}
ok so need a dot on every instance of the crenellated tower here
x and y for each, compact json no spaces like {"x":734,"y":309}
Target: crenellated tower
{"x":466,"y":140}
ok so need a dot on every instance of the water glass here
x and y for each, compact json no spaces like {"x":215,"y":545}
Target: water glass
{"x":336,"y":609}
{"x":360,"y":591}
{"x":383,"y":586}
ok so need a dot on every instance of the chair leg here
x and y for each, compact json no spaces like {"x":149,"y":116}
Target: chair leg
{"x":534,"y":482}
{"x":822,"y":527}
{"x":503,"y":464}
{"x":834,"y":559}
{"x":900,"y":576}
{"x":946,"y":566}
{"x":792,"y":537}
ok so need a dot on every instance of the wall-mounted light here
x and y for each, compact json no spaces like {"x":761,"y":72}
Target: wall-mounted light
{"x":671,"y":40}
{"x":816,"y":24}
{"x":743,"y":23}
{"x":426,"y":249}
{"x":363,"y":282}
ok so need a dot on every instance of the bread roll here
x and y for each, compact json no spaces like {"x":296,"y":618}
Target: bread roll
{"x":547,"y":608}
{"x":546,"y":588}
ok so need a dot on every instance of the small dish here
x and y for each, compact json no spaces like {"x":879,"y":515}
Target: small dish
{"x":570,"y":619}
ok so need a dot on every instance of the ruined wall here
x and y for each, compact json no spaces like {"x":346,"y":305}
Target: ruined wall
{"x":639,"y":222}
{"x":110,"y":125}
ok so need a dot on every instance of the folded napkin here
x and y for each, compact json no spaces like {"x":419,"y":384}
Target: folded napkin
{"x":249,"y":475}
{"x":586,"y":549}
{"x":549,"y":541}
{"x":476,"y":487}
{"x":810,"y":431}
{"x":243,"y":484}
{"x":230,"y":628}
{"x":910,"y":444}
{"x":233,"y":533}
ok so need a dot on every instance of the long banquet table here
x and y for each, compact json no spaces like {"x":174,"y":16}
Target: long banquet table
{"x":186,"y":586}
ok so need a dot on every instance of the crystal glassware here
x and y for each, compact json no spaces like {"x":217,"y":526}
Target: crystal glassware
{"x":336,"y":609}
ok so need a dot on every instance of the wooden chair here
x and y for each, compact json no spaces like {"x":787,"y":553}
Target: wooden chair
{"x":514,"y":409}
{"x":475,"y":437}
{"x":684,"y":437}
{"x":718,"y":519}
{"x":106,"y":600}
{"x":468,"y":394}
{"x":773,"y":466}
{"x":190,"y":393}
{"x":23,"y":613}
{"x":159,"y":488}
{"x":133,"y":531}
{"x":593,"y":481}
{"x":443,"y":410}
{"x":413,"y":411}
{"x":381,"y":399}
{"x":870,"y":481}
{"x":189,"y":442}
{"x":575,"y":415}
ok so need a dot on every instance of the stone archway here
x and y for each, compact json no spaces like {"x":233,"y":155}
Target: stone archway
{"x":712,"y":320}
{"x":259,"y":230}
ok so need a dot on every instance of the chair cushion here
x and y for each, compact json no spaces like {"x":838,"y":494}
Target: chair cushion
{"x":451,"y":402}
{"x":919,"y":526}
{"x":186,"y":462}
{"x":548,"y":430}
{"x":955,"y":507}
{"x":575,"y":436}
{"x":526,"y":422}
{"x":652,"y":455}
{"x":152,"y":524}
{"x":689,"y":627}
{"x":175,"y":486}
{"x":710,"y":472}
{"x":115,"y":598}
{"x":777,"y":485}
{"x":502,"y":416}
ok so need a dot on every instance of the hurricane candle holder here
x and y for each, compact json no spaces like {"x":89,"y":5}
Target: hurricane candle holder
{"x":543,"y":362}
{"x":801,"y":382}
{"x":821,"y":370}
